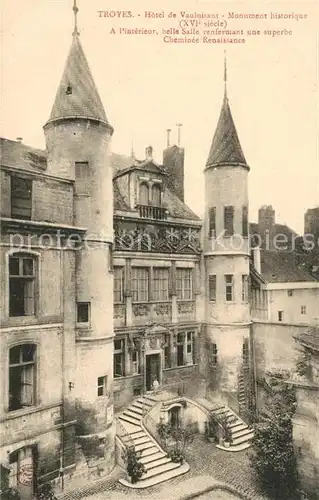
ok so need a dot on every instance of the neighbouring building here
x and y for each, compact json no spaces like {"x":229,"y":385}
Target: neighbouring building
{"x":306,"y":418}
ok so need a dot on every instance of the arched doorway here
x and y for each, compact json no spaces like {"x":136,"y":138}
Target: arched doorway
{"x":174,"y":416}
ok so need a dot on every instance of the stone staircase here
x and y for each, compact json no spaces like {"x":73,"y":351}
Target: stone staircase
{"x":159,"y":467}
{"x":241,"y":433}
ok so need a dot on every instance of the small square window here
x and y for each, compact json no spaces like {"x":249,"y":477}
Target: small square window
{"x":101,"y":386}
{"x":290,"y":293}
{"x":83,"y":312}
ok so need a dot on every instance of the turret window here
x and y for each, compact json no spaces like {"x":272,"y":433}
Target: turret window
{"x":212,"y":222}
{"x":245,"y":221}
{"x":68,"y":90}
{"x":229,"y":287}
{"x":212,"y":287}
{"x":229,"y":220}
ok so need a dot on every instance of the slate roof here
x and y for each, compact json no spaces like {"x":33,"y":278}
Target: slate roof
{"x":77,"y":94}
{"x":282,"y":229}
{"x":282,"y":267}
{"x":310,"y":337}
{"x":226,"y":148}
{"x":18,"y":155}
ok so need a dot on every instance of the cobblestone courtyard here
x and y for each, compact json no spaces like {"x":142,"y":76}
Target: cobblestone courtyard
{"x":204,"y":460}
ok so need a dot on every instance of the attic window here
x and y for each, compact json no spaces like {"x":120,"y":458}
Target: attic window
{"x":68,"y":90}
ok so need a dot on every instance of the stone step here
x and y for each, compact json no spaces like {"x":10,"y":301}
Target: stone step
{"x":144,"y":446}
{"x":144,"y":401}
{"x":151,"y":398}
{"x":134,"y":409}
{"x":147,"y":452}
{"x":240,"y":426}
{"x":236,"y":424}
{"x":140,"y":440}
{"x":126,"y":418}
{"x":157,"y":463}
{"x":160,"y":478}
{"x":239,"y":447}
{"x":152,"y":457}
{"x":159,"y":470}
{"x":241,"y":433}
{"x":243,"y":439}
{"x":137,"y":434}
{"x":131,"y":414}
{"x":137,"y":404}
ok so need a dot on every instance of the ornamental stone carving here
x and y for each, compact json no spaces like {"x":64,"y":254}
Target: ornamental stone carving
{"x":119,"y":311}
{"x":163,"y":309}
{"x":141,"y":309}
{"x":185,"y":307}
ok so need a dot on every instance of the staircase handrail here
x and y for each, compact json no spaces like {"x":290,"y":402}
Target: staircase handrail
{"x":124,"y":435}
{"x":151,"y":427}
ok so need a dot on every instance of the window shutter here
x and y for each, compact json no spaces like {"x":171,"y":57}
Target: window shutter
{"x":29,"y":297}
{"x":245,"y":221}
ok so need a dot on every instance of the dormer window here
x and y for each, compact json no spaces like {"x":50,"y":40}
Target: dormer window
{"x":144,"y":194}
{"x":68,"y":90}
{"x":156,"y":195}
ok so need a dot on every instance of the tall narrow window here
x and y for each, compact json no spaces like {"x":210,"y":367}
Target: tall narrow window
{"x":118,"y":285}
{"x":22,"y":276}
{"x":82,"y":178}
{"x":144,"y":194}
{"x":180,"y":349}
{"x":119,"y":358}
{"x":244,"y":288}
{"x":22,"y":376}
{"x":184,"y":283}
{"x":156,"y":195}
{"x":83,"y":312}
{"x":160,"y":283}
{"x":189,"y":348}
{"x":136,"y":366}
{"x":212,"y":222}
{"x":140,"y":284}
{"x":214,"y":354}
{"x":21,"y":198}
{"x":167,"y":351}
{"x":212,"y":287}
{"x":303,"y":310}
{"x":245,"y":221}
{"x":280,"y":315}
{"x":102,"y":386}
{"x":229,"y":287}
{"x":229,"y":220}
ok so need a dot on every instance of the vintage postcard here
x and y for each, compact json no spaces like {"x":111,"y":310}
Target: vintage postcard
{"x":159,"y":250}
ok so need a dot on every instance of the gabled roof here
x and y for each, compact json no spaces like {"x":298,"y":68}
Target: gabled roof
{"x":282,"y":267}
{"x":226,"y":148}
{"x":77,"y":95}
{"x":289,"y":235}
{"x":147,"y":165}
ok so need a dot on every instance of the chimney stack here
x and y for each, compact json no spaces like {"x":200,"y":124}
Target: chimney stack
{"x":173,"y":162}
{"x":179,"y":125}
{"x":168,"y":130}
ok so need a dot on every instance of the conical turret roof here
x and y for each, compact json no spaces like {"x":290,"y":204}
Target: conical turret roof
{"x":226,"y":148}
{"x":77,"y":95}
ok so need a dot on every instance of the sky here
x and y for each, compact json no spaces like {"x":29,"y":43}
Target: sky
{"x":147,"y":86}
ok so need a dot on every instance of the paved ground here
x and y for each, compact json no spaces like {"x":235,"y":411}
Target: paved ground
{"x":206,"y":462}
{"x":218,"y":495}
